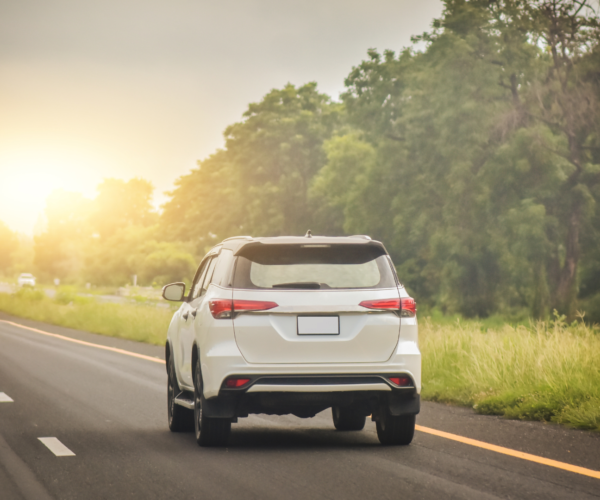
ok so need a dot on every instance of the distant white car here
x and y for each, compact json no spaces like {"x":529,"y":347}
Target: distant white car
{"x":26,"y":279}
{"x":294,"y":325}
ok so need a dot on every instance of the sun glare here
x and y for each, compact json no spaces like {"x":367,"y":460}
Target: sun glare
{"x":26,"y":182}
{"x":32,"y":185}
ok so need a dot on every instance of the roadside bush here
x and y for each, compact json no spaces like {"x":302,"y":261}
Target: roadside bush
{"x":31,"y":294}
{"x":65,"y":295}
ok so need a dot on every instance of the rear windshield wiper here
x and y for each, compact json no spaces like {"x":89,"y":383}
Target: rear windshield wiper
{"x":309,"y":285}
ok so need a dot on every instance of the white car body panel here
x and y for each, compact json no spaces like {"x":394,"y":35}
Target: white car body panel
{"x":269,"y":337}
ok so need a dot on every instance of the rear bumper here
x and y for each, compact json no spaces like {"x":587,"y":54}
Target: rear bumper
{"x":234,"y":404}
{"x":373,"y":382}
{"x":224,"y":359}
{"x":319,"y":388}
{"x":307,"y":389}
{"x":215,"y":369}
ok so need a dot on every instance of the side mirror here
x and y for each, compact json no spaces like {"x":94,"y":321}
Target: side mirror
{"x":174,"y":292}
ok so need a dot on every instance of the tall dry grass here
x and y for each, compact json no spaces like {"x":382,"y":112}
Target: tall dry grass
{"x":547,"y":371}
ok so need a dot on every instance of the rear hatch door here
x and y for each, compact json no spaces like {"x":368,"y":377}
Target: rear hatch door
{"x":315,"y":314}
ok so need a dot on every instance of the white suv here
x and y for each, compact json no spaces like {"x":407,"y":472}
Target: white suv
{"x":294,"y":325}
{"x":26,"y":279}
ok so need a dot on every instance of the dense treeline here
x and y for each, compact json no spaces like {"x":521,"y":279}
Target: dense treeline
{"x":476,"y":161}
{"x":104,"y":241}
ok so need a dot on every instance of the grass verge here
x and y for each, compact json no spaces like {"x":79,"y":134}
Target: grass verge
{"x":140,"y":322}
{"x":547,"y":371}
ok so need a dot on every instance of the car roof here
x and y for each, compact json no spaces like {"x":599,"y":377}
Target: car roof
{"x":238,"y":242}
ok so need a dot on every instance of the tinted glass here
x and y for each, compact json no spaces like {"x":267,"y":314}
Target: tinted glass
{"x":313,"y":267}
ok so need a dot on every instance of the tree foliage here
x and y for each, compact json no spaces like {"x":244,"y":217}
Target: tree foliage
{"x":120,"y":204}
{"x":492,"y":134}
{"x":138,"y":250}
{"x":259,"y":184}
{"x":475,"y":159}
{"x":59,"y":250}
{"x":107,"y":240}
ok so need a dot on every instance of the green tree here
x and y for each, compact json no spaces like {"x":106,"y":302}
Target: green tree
{"x":137,"y":250}
{"x":489,"y":138}
{"x":205,"y":205}
{"x":120,"y":204}
{"x":565,"y":106}
{"x":166,"y":262}
{"x":259,"y":183}
{"x":333,"y":189}
{"x":59,"y":250}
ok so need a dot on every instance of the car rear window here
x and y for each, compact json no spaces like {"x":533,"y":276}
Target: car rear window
{"x":313,"y":267}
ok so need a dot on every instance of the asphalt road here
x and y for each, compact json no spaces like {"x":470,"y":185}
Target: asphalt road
{"x":109,"y":410}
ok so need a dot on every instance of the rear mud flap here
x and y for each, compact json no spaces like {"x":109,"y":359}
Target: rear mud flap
{"x":401,"y":404}
{"x":223,"y":406}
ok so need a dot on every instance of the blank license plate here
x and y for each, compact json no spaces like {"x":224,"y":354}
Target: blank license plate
{"x":318,"y":325}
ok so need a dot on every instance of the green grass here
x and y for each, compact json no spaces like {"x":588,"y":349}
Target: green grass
{"x":547,"y":371}
{"x":140,"y":322}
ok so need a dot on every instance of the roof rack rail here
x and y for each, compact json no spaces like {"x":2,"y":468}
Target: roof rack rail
{"x":363,"y":236}
{"x":239,"y":238}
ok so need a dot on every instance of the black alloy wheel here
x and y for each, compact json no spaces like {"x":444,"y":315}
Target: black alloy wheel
{"x":180,"y":419}
{"x":347,"y":419}
{"x":209,"y":431}
{"x":392,"y":430}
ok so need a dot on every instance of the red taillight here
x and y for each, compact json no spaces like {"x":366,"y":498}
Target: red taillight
{"x":252,"y":305}
{"x":224,"y":308}
{"x":407,"y":305}
{"x":234,"y":383}
{"x":393,"y":304}
{"x":221,"y":308}
{"x":402,"y":381}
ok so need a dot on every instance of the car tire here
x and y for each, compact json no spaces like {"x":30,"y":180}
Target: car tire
{"x":209,"y":431}
{"x":180,"y":419}
{"x":347,"y":419}
{"x":392,"y":430}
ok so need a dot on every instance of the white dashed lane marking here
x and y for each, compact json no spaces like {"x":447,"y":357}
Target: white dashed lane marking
{"x":56,"y":447}
{"x":5,"y":398}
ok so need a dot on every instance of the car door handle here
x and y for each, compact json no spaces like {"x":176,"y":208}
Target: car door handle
{"x":185,"y":316}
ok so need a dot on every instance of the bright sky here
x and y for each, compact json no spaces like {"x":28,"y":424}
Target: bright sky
{"x":144,"y":88}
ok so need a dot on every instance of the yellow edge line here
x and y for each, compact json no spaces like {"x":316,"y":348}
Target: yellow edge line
{"x":512,"y":453}
{"x":83,"y":342}
{"x":428,"y":430}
